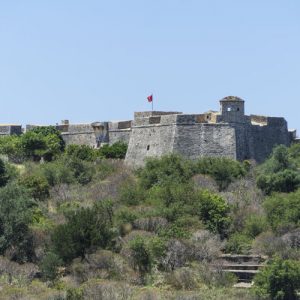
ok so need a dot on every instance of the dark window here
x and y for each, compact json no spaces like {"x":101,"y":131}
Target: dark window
{"x":148,"y":147}
{"x":238,"y":109}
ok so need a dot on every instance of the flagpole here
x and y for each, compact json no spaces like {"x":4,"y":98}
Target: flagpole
{"x":152,"y":102}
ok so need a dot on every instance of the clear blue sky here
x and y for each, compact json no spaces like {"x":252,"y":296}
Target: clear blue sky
{"x":88,"y":60}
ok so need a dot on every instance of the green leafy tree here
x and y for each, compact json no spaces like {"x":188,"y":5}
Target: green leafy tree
{"x":85,"y":228}
{"x":15,"y":217}
{"x":49,"y":266}
{"x":280,"y":280}
{"x":167,"y":169}
{"x":285,"y":181}
{"x":3,"y":174}
{"x":36,"y":185}
{"x":283,"y":210}
{"x":82,"y":170}
{"x":141,"y":255}
{"x":238,"y":243}
{"x":82,"y":152}
{"x":213,"y":211}
{"x":117,"y":150}
{"x":223,"y":170}
{"x":11,"y":146}
{"x":279,"y":172}
{"x":57,"y":173}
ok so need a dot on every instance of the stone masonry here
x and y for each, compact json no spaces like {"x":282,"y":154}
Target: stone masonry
{"x":225,"y":133}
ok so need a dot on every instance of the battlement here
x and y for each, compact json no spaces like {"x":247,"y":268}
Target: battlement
{"x":228,"y":132}
{"x":10,"y":129}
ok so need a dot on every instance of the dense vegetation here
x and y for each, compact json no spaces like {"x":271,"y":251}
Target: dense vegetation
{"x":75,"y":223}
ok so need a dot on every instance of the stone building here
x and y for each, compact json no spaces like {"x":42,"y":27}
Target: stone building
{"x":227,"y":133}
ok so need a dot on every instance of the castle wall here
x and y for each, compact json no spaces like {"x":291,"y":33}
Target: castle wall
{"x":119,"y":132}
{"x":265,"y":138}
{"x":198,"y":140}
{"x":10,"y":129}
{"x":149,"y":141}
{"x":80,"y":138}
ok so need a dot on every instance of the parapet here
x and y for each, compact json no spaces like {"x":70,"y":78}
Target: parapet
{"x":168,"y":118}
{"x":119,"y":125}
{"x":147,"y":114}
{"x":9,"y":129}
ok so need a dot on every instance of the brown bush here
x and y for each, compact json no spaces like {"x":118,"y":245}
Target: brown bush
{"x":205,"y":182}
{"x":177,"y":254}
{"x":182,"y":279}
{"x":153,"y":224}
{"x":15,"y":272}
{"x":287,"y":246}
{"x":106,"y":290}
{"x":205,"y":246}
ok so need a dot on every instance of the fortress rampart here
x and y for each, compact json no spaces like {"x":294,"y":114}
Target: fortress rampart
{"x":226,"y":133}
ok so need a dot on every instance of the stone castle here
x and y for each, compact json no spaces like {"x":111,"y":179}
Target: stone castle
{"x":226,"y":133}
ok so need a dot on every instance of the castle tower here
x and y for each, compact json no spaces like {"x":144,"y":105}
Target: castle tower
{"x":232,"y":109}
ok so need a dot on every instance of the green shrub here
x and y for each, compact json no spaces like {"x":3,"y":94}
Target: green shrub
{"x":174,"y":231}
{"x":124,"y":218}
{"x":36,"y":185}
{"x":280,"y":280}
{"x":130,"y":193}
{"x":283,"y":210}
{"x":238,"y":243}
{"x":213,"y":211}
{"x":57,"y":173}
{"x":86,"y":228}
{"x":82,"y":171}
{"x":41,"y":142}
{"x":157,"y":247}
{"x":222,"y":170}
{"x":15,"y":217}
{"x":12,"y":147}
{"x":171,"y":193}
{"x":294,"y":151}
{"x":279,"y":172}
{"x":284,"y":181}
{"x":4,"y":176}
{"x":255,"y":225}
{"x":167,"y":169}
{"x":141,"y":256}
{"x":117,"y":150}
{"x":74,"y":294}
{"x":82,"y":152}
{"x":49,"y":266}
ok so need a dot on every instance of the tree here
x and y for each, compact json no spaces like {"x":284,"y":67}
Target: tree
{"x":167,"y":169}
{"x":3,"y":174}
{"x":285,"y":181}
{"x":283,"y":210}
{"x":280,"y":280}
{"x":223,"y":170}
{"x":85,"y":228}
{"x":15,"y":217}
{"x":117,"y":150}
{"x":36,"y":185}
{"x":279,"y":172}
{"x":213,"y":211}
{"x":141,"y":256}
{"x":41,"y":142}
{"x":49,"y":266}
{"x":82,"y":152}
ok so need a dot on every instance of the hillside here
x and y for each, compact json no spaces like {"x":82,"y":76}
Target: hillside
{"x":76,"y":223}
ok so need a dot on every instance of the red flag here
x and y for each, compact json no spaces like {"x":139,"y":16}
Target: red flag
{"x":150,"y":98}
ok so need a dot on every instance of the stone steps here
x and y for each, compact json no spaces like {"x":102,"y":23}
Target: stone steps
{"x":245,"y":267}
